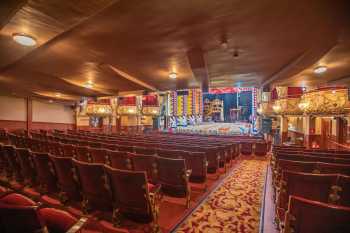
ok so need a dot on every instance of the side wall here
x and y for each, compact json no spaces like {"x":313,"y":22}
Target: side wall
{"x":45,"y":115}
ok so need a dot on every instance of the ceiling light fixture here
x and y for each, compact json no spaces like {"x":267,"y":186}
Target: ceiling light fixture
{"x":89,"y":84}
{"x":173,"y":75}
{"x":24,"y":39}
{"x":58,"y":94}
{"x":320,"y":69}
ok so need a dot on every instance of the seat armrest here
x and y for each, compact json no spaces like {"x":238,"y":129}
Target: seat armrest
{"x":78,"y":225}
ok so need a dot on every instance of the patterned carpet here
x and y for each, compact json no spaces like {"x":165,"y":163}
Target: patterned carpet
{"x":234,"y":206}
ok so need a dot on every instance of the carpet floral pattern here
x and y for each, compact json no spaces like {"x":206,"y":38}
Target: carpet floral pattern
{"x":234,"y":206}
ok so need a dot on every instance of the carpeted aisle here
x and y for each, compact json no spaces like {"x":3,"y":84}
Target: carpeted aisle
{"x":234,"y":206}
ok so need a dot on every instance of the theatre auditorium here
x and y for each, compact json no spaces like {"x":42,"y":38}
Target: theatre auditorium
{"x":174,"y":116}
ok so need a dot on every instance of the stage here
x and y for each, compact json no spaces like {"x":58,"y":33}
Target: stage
{"x":216,"y":128}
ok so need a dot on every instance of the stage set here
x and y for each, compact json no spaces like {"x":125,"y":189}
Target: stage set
{"x":221,"y":111}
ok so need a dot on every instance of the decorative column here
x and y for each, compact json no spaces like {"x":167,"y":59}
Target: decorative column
{"x":284,"y":128}
{"x":309,"y":130}
{"x":29,"y":107}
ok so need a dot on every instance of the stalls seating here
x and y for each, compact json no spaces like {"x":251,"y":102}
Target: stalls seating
{"x":98,"y":155}
{"x":66,"y":178}
{"x":133,"y":196}
{"x":174,"y":178}
{"x":307,"y":216}
{"x":92,"y":179}
{"x":148,"y":164}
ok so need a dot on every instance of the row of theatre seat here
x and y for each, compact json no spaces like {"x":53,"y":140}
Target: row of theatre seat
{"x":98,"y":172}
{"x":311,"y":189}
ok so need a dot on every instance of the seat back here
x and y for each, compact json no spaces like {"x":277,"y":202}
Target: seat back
{"x":16,"y":199}
{"x":146,"y":163}
{"x":306,"y":216}
{"x":126,"y":148}
{"x":119,"y":160}
{"x":27,"y":165}
{"x":56,"y":220}
{"x":172,"y":154}
{"x":246,"y":148}
{"x":260,"y":149}
{"x":333,"y":168}
{"x":197,"y":162}
{"x":312,"y":186}
{"x":129,"y":191}
{"x":98,"y":155}
{"x":69,"y":150}
{"x":13,"y":162}
{"x":56,"y":148}
{"x":66,"y":178}
{"x":344,"y":191}
{"x":82,"y":154}
{"x":46,"y":174}
{"x":93,"y":185}
{"x":15,"y":219}
{"x":144,"y":150}
{"x":172,"y":175}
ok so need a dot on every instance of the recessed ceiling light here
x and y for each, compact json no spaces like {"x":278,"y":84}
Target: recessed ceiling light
{"x":58,"y":94}
{"x":173,"y":75}
{"x":320,"y":69}
{"x":24,"y":39}
{"x":88,"y":84}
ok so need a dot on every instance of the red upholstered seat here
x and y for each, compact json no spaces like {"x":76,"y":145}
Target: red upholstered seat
{"x":174,"y":177}
{"x":96,"y":195}
{"x":119,"y":160}
{"x":16,"y":199}
{"x":98,"y":155}
{"x":66,"y":178}
{"x":145,"y":150}
{"x":131,"y":196}
{"x":56,"y":221}
{"x":307,"y":216}
{"x":27,"y":165}
{"x":147,"y":163}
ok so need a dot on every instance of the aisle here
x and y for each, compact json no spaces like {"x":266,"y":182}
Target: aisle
{"x":234,"y":206}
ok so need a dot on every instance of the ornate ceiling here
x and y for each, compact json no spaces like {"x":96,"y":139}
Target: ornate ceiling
{"x":130,"y":45}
